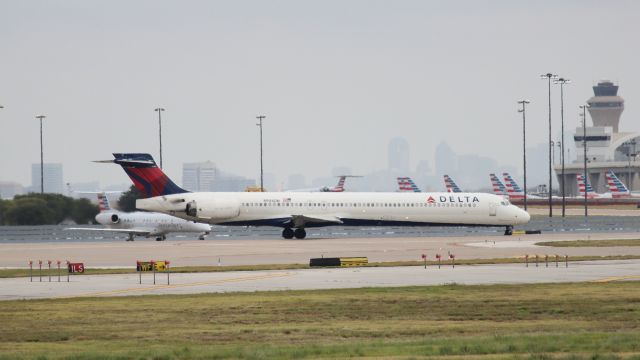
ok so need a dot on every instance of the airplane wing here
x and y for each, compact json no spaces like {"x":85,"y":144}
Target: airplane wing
{"x":123,"y":231}
{"x":301,"y":220}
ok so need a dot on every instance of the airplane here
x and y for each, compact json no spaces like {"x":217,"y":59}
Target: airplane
{"x":584,"y":185}
{"x":513,"y":189}
{"x":406,"y":184}
{"x":296,"y":211}
{"x":451,"y":185}
{"x":337,"y":188}
{"x":617,"y":188}
{"x":142,"y":223}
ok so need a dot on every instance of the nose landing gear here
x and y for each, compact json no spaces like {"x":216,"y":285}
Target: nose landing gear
{"x":508,"y":231}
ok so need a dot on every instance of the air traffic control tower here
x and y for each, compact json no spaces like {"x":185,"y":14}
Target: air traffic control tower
{"x":607,"y":147}
{"x":606,"y":106}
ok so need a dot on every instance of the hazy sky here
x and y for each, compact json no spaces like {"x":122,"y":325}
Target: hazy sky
{"x":336,"y":79}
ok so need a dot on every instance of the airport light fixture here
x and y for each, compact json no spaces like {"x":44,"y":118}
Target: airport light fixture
{"x":159,"y":110}
{"x":549,"y":77}
{"x":524,"y":103}
{"x":40,"y":117}
{"x":260,"y":117}
{"x":584,"y":153}
{"x":562,"y":81}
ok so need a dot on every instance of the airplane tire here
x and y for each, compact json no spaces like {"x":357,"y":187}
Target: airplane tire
{"x":300,"y":233}
{"x":287,"y":233}
{"x":508,"y":231}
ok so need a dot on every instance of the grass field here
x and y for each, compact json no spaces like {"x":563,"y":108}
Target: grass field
{"x":592,"y":243}
{"x":8,"y":273}
{"x":567,"y":321}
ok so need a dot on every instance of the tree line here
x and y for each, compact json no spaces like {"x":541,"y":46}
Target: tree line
{"x":53,"y":209}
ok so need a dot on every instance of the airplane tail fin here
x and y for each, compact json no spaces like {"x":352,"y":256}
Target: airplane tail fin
{"x":513,"y":189}
{"x":147,"y":177}
{"x":340,"y":186}
{"x":407,"y":184}
{"x":584,"y":185}
{"x":497,"y":185}
{"x":616,"y":186}
{"x":103,"y":202}
{"x":451,"y":185}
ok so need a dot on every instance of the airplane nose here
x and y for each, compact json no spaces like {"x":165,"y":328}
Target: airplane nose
{"x":523,"y":216}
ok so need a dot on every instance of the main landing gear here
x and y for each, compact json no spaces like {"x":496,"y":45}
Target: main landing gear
{"x":508,"y":230}
{"x":130,"y":237}
{"x":161,"y":238}
{"x":289,"y":233}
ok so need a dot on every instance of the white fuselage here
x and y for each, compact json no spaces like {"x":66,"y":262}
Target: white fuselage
{"x":155,"y":223}
{"x":348,"y":208}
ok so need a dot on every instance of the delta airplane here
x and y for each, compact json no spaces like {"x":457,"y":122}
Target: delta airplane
{"x":142,"y":223}
{"x":296,"y":211}
{"x":406,"y":184}
{"x":451,"y":185}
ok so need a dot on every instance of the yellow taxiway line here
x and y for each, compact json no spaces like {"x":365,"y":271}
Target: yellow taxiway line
{"x":617,"y":278}
{"x":174,"y":286}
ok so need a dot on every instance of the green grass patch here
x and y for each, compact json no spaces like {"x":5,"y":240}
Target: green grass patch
{"x":592,"y":243}
{"x":568,"y":321}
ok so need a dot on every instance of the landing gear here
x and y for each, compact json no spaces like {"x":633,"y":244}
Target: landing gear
{"x":508,"y":231}
{"x":130,"y":237}
{"x":287,"y":233}
{"x":300,"y":233}
{"x":161,"y":238}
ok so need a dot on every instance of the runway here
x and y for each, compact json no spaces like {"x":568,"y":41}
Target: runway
{"x":308,"y":279}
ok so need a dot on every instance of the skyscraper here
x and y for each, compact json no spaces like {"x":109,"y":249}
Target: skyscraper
{"x":399,"y":155}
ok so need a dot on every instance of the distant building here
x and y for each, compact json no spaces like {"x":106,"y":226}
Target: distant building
{"x":10,"y":189}
{"x":399,"y":155}
{"x":53,"y":182}
{"x":205,"y":176}
{"x":607,"y":147}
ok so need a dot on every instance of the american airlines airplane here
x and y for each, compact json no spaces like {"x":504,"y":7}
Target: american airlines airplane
{"x":337,"y":188}
{"x":142,"y":223}
{"x":513,"y":189}
{"x":406,"y":184}
{"x":296,"y":211}
{"x":451,"y":185}
{"x":617,"y":188}
{"x":497,"y":185}
{"x":585,"y":186}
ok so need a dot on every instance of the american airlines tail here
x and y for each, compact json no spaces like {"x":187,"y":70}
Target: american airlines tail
{"x":103,"y":202}
{"x":584,"y":186}
{"x":616,"y":187}
{"x":407,"y":184}
{"x":497,"y":185}
{"x":340,"y":186}
{"x":513,"y":189}
{"x":147,"y":177}
{"x":451,"y":186}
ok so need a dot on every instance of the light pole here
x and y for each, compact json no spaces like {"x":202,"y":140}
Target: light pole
{"x":260,"y":117}
{"x":160,"y":110}
{"x":40,"y":117}
{"x":562,"y":82}
{"x":549,"y":77}
{"x":524,"y":103}
{"x":584,"y":153}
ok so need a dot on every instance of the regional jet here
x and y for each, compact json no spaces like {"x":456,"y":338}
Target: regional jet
{"x":142,"y":223}
{"x":294,"y":212}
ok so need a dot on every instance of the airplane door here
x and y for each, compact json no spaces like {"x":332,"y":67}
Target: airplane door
{"x":492,"y":209}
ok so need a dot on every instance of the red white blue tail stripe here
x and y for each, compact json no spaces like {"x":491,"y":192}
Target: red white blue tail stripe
{"x":497,"y":185}
{"x":585,"y":186}
{"x":340,"y":186}
{"x":513,"y":189}
{"x":407,"y":184}
{"x":103,"y":202}
{"x":451,"y":186}
{"x":616,"y":187}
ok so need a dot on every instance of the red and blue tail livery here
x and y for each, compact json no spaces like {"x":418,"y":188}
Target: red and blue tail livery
{"x":147,"y":177}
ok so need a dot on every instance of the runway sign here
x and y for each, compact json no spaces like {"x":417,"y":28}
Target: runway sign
{"x":75,"y":267}
{"x":350,"y":261}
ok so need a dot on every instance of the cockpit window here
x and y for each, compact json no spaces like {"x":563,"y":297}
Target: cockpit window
{"x":505,"y":202}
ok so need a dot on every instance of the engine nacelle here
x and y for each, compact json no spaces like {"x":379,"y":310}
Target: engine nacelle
{"x":115,"y":219}
{"x":215,"y":209}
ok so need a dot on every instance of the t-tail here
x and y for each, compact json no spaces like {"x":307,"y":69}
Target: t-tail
{"x":497,"y":185}
{"x":584,"y":186}
{"x":513,"y":189}
{"x":103,"y":202}
{"x":147,"y":177}
{"x":616,"y":187}
{"x":451,"y":185}
{"x":407,"y":184}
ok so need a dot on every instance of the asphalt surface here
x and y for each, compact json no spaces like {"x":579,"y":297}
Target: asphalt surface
{"x":331,"y":278}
